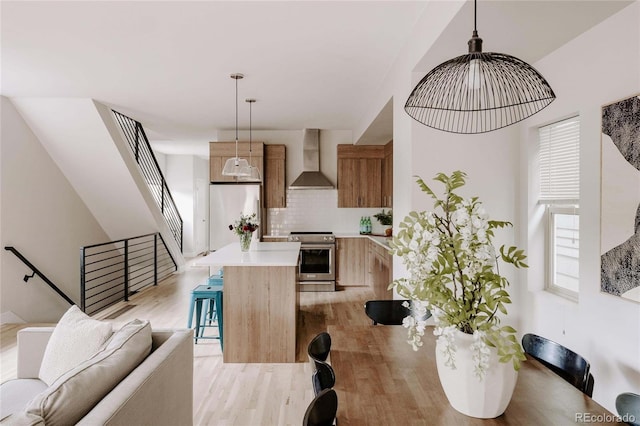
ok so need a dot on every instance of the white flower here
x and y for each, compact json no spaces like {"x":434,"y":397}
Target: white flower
{"x":460,"y":217}
{"x":446,"y":341}
{"x":465,"y":234}
{"x":432,"y":253}
{"x":480,"y":355}
{"x":415,"y":332}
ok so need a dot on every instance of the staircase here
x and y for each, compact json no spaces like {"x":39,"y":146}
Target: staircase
{"x":86,"y":141}
{"x":141,"y":149}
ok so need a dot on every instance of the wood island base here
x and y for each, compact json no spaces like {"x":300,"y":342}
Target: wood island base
{"x":260,"y":313}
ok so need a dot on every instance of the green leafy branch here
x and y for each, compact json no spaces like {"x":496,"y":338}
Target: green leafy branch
{"x":469,"y":300}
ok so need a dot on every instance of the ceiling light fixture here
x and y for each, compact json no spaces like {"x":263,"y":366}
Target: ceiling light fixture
{"x":252,"y":172}
{"x":478,"y":92}
{"x":234,"y":166}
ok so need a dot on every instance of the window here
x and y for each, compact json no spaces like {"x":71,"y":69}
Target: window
{"x":560,"y":193}
{"x":564,"y":250}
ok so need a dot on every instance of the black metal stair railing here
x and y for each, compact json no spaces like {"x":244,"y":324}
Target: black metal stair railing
{"x":111,"y":272}
{"x":148,"y":164}
{"x":36,"y":271}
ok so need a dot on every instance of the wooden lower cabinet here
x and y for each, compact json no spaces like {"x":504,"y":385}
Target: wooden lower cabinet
{"x":380,"y":270}
{"x":351,"y":261}
{"x":362,"y":262}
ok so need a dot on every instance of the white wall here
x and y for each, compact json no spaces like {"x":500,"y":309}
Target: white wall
{"x":490,"y":162}
{"x":181,"y":173}
{"x":598,"y":67}
{"x":43,"y":217}
{"x":603,"y":328}
{"x":79,"y":134}
{"x":397,"y":86}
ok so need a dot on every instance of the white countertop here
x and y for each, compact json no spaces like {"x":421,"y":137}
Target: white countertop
{"x":260,"y":254}
{"x":383,"y":241}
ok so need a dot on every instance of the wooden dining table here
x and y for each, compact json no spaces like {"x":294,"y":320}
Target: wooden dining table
{"x":381,"y":380}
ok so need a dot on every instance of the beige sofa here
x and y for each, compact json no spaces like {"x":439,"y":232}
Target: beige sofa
{"x":157,"y":392}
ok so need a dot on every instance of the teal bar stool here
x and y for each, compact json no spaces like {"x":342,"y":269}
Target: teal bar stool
{"x":210,"y":313}
{"x":209,"y":295}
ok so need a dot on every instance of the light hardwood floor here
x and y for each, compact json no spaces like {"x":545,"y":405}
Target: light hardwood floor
{"x":230,"y":394}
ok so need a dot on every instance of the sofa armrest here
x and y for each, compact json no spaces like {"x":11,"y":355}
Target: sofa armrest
{"x":32,"y":342}
{"x":158,"y":392}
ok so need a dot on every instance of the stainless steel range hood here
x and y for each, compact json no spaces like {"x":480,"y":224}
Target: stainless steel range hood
{"x":311,"y":177}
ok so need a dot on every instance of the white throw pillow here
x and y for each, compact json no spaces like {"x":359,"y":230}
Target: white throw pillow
{"x":76,"y":392}
{"x":75,"y":339}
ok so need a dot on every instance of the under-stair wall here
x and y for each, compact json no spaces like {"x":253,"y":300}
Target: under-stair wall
{"x":82,"y":141}
{"x":43,"y":216}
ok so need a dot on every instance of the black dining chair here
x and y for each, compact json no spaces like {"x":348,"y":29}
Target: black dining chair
{"x":322,"y":410}
{"x":628,"y":408}
{"x":588,"y":387}
{"x":564,"y":362}
{"x":323,"y":378}
{"x":319,"y":347}
{"x":389,"y":312}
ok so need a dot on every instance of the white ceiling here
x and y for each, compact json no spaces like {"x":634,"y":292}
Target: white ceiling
{"x":309,"y":64}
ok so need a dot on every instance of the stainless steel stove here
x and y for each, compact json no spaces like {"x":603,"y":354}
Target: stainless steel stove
{"x":316,"y":267}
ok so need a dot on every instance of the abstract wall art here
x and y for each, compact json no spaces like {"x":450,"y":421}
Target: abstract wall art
{"x":620,"y":199}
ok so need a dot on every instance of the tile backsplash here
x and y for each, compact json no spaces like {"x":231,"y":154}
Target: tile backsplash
{"x":317,"y":210}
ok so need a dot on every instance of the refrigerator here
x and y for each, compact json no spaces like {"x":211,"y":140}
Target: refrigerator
{"x":226,"y":203}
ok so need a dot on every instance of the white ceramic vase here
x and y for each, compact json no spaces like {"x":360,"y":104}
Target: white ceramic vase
{"x":484,"y":399}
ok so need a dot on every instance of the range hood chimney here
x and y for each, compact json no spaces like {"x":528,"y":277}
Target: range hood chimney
{"x":311,"y":177}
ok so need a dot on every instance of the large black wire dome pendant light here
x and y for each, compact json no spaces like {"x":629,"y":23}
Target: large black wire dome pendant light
{"x":478,"y":92}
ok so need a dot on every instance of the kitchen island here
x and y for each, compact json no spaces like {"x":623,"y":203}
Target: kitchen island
{"x":260,"y":301}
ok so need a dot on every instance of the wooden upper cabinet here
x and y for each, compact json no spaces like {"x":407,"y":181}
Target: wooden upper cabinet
{"x":274,"y":176}
{"x":360,"y":175}
{"x":220,"y":152}
{"x":348,"y":177}
{"x":387,"y":176}
{"x":370,"y":182}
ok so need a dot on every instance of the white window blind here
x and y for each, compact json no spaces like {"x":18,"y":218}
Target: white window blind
{"x":560,"y":162}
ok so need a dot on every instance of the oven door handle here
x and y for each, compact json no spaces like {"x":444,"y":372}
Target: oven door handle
{"x":316,"y":246}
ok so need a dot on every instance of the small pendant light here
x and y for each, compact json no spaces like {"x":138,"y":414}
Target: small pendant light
{"x":252,"y":172}
{"x":234,"y":166}
{"x":478,"y":92}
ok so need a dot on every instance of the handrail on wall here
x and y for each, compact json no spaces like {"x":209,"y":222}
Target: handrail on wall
{"x":37,"y":272}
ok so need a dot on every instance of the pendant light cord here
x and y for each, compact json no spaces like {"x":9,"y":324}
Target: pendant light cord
{"x":475,"y":44}
{"x":250,"y":137}
{"x":236,"y":119}
{"x":475,"y":19}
